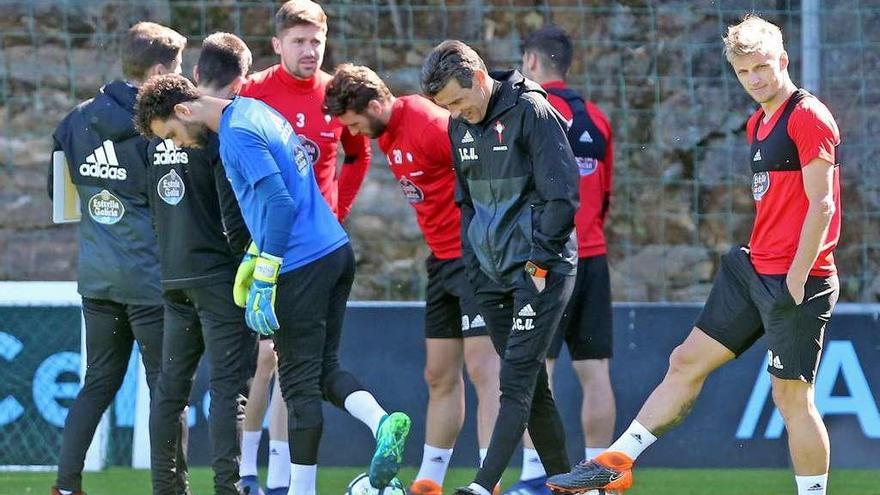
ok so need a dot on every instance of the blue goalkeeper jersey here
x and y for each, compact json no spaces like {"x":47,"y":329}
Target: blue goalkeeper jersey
{"x":255,"y":142}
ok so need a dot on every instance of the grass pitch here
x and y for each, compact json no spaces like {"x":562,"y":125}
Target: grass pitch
{"x":332,"y":481}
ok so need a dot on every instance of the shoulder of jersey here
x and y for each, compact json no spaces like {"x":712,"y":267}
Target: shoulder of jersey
{"x":814,"y":106}
{"x":257,"y":80}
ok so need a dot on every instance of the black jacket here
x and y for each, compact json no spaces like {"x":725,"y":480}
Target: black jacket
{"x":201,"y":233}
{"x":106,"y":157}
{"x":517,"y":184}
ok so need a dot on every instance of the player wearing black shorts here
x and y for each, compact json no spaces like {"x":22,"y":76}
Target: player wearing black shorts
{"x":412,"y":133}
{"x":586,"y":326}
{"x":783,"y":285}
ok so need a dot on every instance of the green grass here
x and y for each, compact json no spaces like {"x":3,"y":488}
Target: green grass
{"x":332,"y":481}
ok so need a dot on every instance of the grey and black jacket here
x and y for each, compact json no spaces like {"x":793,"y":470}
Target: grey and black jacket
{"x":517,"y":185}
{"x":107,"y":160}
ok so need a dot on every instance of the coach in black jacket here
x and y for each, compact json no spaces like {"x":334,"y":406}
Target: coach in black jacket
{"x":118,"y":274}
{"x":202,"y":238}
{"x":517,"y":184}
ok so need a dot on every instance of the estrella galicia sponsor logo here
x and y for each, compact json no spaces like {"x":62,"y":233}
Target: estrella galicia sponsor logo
{"x":412,"y":192}
{"x":171,"y":188}
{"x":106,"y":208}
{"x":103,"y":164}
{"x":300,"y":157}
{"x":168,"y":154}
{"x":586,"y":165}
{"x":760,"y":185}
{"x":311,"y":147}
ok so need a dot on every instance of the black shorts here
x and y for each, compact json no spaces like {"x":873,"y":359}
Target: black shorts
{"x":451,"y":312}
{"x":744,"y":305}
{"x":586,"y":324}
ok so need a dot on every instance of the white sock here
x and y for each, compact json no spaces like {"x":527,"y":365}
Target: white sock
{"x":531,"y":465}
{"x":65,"y":492}
{"x":479,"y":489}
{"x":302,"y":479}
{"x":250,"y":444}
{"x":634,"y":440}
{"x":279,"y":464}
{"x":483,"y":453}
{"x":363,"y":406}
{"x":812,"y":485}
{"x":591,"y":452}
{"x":435,"y":462}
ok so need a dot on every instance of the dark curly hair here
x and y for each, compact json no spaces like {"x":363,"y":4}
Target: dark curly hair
{"x":352,"y":88}
{"x":157,"y":98}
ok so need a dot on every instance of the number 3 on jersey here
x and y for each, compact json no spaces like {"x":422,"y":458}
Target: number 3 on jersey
{"x":300,"y":120}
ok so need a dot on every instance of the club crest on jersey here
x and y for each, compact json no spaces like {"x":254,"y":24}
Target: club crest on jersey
{"x":301,"y":158}
{"x":171,"y":188}
{"x":105,"y":208}
{"x":760,"y":185}
{"x":412,"y":192}
{"x":586,"y":165}
{"x":311,"y":147}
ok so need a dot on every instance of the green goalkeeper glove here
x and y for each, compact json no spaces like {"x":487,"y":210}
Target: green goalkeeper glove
{"x":244,"y":277}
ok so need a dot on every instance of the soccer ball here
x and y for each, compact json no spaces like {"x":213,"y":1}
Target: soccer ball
{"x":360,"y":485}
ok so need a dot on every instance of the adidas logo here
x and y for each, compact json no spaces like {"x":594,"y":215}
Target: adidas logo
{"x":527,"y":311}
{"x":467,"y":137}
{"x":103,"y":164}
{"x":777,"y":363}
{"x":273,"y":452}
{"x":478,"y":322}
{"x":757,"y":157}
{"x":585,"y":137}
{"x":437,"y":459}
{"x":637,"y":436}
{"x":169,"y":154}
{"x":815,"y":488}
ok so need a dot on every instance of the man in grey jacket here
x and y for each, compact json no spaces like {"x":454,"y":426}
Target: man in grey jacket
{"x":118,"y":274}
{"x":517,"y":187}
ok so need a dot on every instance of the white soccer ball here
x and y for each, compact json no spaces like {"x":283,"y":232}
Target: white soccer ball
{"x":360,"y":485}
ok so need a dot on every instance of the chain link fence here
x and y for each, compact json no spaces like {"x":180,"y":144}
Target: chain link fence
{"x":682,"y":183}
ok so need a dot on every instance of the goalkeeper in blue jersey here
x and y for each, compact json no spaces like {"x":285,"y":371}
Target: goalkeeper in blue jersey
{"x":302,"y":267}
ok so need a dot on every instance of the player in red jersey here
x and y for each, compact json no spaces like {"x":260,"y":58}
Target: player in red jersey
{"x":783,"y":285}
{"x":412,"y":132}
{"x":295,"y":88}
{"x":586,"y":327}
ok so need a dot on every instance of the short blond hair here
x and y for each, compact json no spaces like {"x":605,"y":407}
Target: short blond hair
{"x":752,"y":35}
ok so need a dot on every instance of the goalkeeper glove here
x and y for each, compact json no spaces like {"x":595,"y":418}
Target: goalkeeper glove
{"x":244,"y":277}
{"x":260,"y":309}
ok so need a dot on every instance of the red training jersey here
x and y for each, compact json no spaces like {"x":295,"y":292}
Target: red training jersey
{"x":798,"y":132}
{"x":419,"y":154}
{"x":300,"y":101}
{"x":595,"y":178}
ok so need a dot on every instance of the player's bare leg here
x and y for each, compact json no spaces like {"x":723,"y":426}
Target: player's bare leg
{"x":807,"y":437}
{"x":255,"y":411}
{"x":278,"y":476}
{"x":445,"y":416}
{"x":483,"y":367}
{"x":598,"y":407}
{"x":667,"y":406}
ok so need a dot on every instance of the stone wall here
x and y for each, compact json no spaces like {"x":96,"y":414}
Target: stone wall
{"x":681,"y":194}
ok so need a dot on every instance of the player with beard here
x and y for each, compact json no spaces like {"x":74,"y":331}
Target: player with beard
{"x":305,"y":262}
{"x":295,"y":88}
{"x":412,"y":132}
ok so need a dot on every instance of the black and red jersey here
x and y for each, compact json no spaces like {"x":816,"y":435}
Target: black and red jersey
{"x":419,"y":155}
{"x":590,"y":132}
{"x":797,"y":133}
{"x":301,"y":102}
